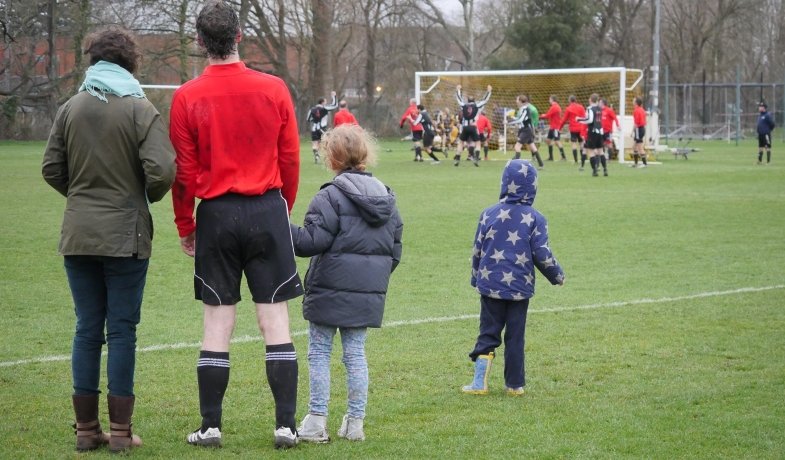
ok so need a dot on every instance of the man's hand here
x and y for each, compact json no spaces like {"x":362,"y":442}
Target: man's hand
{"x":458,"y":87}
{"x":188,"y":244}
{"x":333,"y":93}
{"x":489,"y":88}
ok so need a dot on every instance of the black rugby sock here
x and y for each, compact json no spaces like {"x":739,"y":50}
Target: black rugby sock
{"x":281,"y":366}
{"x":212,"y":374}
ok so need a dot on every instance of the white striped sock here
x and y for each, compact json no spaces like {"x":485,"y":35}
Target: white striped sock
{"x":212,"y":362}
{"x":281,"y":356}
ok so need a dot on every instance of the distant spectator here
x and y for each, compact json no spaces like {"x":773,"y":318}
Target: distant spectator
{"x":765,"y":127}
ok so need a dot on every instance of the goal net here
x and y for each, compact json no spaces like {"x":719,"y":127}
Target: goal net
{"x":618,"y":85}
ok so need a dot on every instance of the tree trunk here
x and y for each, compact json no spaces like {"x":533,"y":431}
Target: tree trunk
{"x":51,"y":68}
{"x":82,"y":24}
{"x":320,"y":47}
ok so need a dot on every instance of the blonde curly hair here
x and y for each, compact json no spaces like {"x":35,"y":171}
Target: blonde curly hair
{"x":349,"y":147}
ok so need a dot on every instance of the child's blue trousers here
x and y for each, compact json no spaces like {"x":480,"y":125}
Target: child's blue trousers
{"x":508,"y":315}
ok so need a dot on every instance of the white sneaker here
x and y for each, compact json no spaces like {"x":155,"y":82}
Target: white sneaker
{"x":210,"y":438}
{"x":351,"y":429}
{"x":285,"y":438}
{"x":313,"y":429}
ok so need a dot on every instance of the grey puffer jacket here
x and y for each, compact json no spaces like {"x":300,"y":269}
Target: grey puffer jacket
{"x":353,"y":233}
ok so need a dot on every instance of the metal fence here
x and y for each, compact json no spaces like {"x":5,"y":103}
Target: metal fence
{"x":718,"y":110}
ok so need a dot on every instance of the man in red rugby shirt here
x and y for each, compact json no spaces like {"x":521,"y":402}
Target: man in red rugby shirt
{"x":238,"y":150}
{"x":571,"y":114}
{"x":639,"y":132}
{"x":343,"y":116}
{"x":609,"y":119}
{"x":485,"y":129}
{"x":410,"y":115}
{"x":553,"y":116}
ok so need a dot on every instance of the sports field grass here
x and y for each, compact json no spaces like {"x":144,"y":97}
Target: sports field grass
{"x":667,"y":340}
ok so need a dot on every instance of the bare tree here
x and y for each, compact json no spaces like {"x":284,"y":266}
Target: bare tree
{"x":694,"y":36}
{"x":275,"y":26}
{"x":463,"y":36}
{"x":345,"y":52}
{"x":620,"y":31}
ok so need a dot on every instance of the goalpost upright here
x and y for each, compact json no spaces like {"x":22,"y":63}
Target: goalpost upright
{"x":437,"y":89}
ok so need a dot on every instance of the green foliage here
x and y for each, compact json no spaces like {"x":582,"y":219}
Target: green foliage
{"x":652,"y":349}
{"x":8,"y":107}
{"x":551,"y":33}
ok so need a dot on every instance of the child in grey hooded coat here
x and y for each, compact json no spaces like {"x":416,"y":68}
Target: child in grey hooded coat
{"x":352,"y":232}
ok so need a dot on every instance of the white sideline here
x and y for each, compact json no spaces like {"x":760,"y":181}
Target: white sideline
{"x":412,"y":322}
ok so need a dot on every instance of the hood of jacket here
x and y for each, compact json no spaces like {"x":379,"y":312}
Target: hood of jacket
{"x":374,"y":200}
{"x":519,"y":183}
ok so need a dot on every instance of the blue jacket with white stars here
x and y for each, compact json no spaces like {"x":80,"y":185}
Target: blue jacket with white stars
{"x":512,"y":239}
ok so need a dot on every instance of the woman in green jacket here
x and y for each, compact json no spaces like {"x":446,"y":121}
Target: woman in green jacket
{"x":109,"y":155}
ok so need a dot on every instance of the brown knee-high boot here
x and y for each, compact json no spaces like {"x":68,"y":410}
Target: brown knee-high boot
{"x":88,"y":429}
{"x":121,"y":408}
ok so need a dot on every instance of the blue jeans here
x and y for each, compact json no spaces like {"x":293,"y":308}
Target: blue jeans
{"x":320,"y":344}
{"x":107,"y":294}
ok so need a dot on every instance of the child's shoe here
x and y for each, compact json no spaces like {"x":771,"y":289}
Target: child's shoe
{"x":517,"y":391}
{"x":285,"y":438}
{"x":482,"y":368}
{"x":313,"y":429}
{"x":210,"y":437}
{"x":351,"y":429}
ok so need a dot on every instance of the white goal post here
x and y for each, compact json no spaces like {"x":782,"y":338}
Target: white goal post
{"x":619,"y":85}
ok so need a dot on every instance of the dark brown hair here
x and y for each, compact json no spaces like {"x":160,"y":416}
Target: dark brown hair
{"x":114,"y":45}
{"x":217,"y":27}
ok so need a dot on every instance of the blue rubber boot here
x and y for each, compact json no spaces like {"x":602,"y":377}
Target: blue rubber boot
{"x":482,"y":369}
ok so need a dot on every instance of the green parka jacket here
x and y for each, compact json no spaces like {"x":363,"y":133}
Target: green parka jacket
{"x":109,"y":160}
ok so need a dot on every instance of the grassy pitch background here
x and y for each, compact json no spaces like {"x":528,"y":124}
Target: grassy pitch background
{"x":667,"y":340}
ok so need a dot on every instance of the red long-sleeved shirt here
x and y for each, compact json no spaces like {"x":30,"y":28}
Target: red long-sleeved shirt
{"x":571,"y":114}
{"x":608,"y":119}
{"x":553,"y":115}
{"x":235,"y":131}
{"x":343,"y":117}
{"x":413,"y":112}
{"x":484,"y":125}
{"x":639,"y":117}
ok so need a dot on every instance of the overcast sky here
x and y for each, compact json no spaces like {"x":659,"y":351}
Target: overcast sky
{"x":450,"y":8}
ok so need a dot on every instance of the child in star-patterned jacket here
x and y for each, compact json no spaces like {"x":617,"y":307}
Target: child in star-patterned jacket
{"x":511,"y":239}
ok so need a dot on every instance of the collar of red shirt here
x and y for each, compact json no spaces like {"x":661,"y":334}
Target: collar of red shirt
{"x":221,"y":70}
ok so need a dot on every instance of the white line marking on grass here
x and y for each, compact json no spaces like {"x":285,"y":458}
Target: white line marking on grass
{"x":413,"y":322}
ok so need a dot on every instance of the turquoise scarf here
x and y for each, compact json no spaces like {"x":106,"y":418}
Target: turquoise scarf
{"x":106,"y":77}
